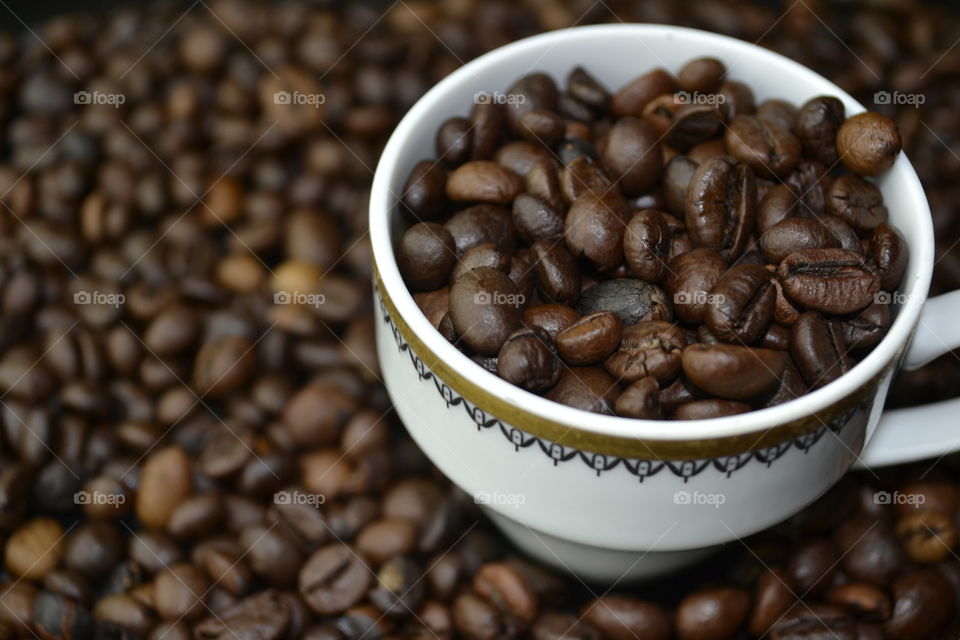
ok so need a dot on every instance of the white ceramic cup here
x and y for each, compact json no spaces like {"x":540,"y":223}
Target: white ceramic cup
{"x":607,"y":497}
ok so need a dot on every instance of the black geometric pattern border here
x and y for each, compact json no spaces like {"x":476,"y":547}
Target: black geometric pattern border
{"x":600,"y":463}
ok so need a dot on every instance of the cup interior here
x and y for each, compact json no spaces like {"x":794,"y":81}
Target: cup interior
{"x":616,"y":54}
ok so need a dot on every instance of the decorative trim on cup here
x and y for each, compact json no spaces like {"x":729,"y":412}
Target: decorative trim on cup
{"x":643,"y":457}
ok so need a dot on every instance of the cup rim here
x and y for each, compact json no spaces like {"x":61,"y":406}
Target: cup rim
{"x":383,"y":202}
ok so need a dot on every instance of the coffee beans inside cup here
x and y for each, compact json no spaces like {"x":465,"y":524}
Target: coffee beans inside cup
{"x":671,"y":250}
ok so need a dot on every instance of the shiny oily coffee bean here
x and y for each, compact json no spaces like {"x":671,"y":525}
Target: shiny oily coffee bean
{"x":595,"y":226}
{"x":773,"y":597}
{"x":587,"y":388}
{"x":424,"y":194}
{"x":646,"y":245}
{"x":537,"y":219}
{"x":867,"y":328}
{"x":550,"y":318}
{"x":623,"y":617}
{"x":527,"y":360}
{"x":482,"y":255}
{"x":708,"y":408}
{"x":816,"y":126}
{"x":889,"y":253}
{"x":814,"y":620}
{"x":862,"y":600}
{"x":818,"y":349}
{"x":868,"y":143}
{"x":651,"y":348}
{"x":630,"y":153}
{"x":581,"y":175}
{"x":640,"y":400}
{"x":927,"y":536}
{"x":794,"y":234}
{"x":333,"y":579}
{"x":740,"y":306}
{"x":733,"y":372}
{"x":712,"y":614}
{"x":590,"y":339}
{"x":557,"y":272}
{"x":922,"y":603}
{"x":769,"y":149}
{"x":690,"y":278}
{"x":778,"y":112}
{"x":485,"y":309}
{"x":701,"y":75}
{"x":426,"y":254}
{"x":483,"y":181}
{"x":508,"y":590}
{"x":632,"y":300}
{"x":856,"y":201}
{"x":453,"y":143}
{"x":777,"y":204}
{"x":720,"y":210}
{"x":833,"y":281}
{"x":675,"y":181}
{"x":482,"y":223}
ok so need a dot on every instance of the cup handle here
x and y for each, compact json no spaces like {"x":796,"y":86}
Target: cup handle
{"x":914,"y":433}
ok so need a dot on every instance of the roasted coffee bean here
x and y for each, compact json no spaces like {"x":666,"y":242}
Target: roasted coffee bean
{"x":867,"y":328}
{"x":740,"y":305}
{"x":550,"y":318}
{"x":426,"y":255}
{"x":690,"y":278}
{"x":34,"y":549}
{"x":508,"y":590}
{"x":794,"y":234}
{"x":815,"y":620}
{"x":812,"y":566}
{"x":817,"y":124}
{"x":631,"y":155}
{"x":921,"y":604}
{"x":59,"y":618}
{"x":650,"y":348}
{"x":527,"y":360}
{"x":594,"y":228}
{"x":712,"y":614}
{"x":778,"y":204}
{"x":482,"y":255}
{"x":833,"y":281}
{"x":702,"y":75}
{"x":721,"y":206}
{"x":769,"y":149}
{"x":868,"y":143}
{"x":646,"y":245}
{"x":543,"y":181}
{"x":927,"y":536}
{"x":733,"y":372}
{"x":775,"y":337}
{"x":843,"y":233}
{"x":590,"y":339}
{"x":869,"y":550}
{"x":483,"y":181}
{"x":640,"y":400}
{"x":333,"y":579}
{"x":424,"y":193}
{"x":453,"y":142}
{"x":541,"y":126}
{"x":482,"y":223}
{"x":266,"y":615}
{"x":520,"y":156}
{"x":587,"y":388}
{"x":178,"y":592}
{"x":558,"y":276}
{"x":477,"y":619}
{"x":486,"y":127}
{"x":857,"y":202}
{"x":581,"y":175}
{"x":552,"y":625}
{"x":791,"y":387}
{"x":399,"y":590}
{"x":632,"y":300}
{"x":889,"y":253}
{"x":676,"y":179}
{"x":861,"y":600}
{"x":778,"y":112}
{"x":532,"y":91}
{"x":631,"y":99}
{"x":772,"y":598}
{"x":537,"y":219}
{"x":586,"y":89}
{"x":485,"y":309}
{"x":622,"y":617}
{"x":818,"y":348}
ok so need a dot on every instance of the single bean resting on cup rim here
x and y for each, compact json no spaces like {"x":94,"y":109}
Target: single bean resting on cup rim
{"x":672,"y":250}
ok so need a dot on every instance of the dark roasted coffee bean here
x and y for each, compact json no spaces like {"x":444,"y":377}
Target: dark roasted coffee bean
{"x":862,"y":600}
{"x":817,"y":124}
{"x":811,"y":567}
{"x":772,"y":598}
{"x":333,"y":579}
{"x":690,"y":278}
{"x":558,"y":275}
{"x":541,"y":126}
{"x":650,"y":348}
{"x":527,"y":360}
{"x":769,"y":149}
{"x":701,"y":75}
{"x":640,"y":400}
{"x":927,"y":536}
{"x":676,"y":179}
{"x":867,"y":328}
{"x":586,"y":89}
{"x":868,"y":143}
{"x":778,"y":112}
{"x":485,"y":309}
{"x":778,"y":204}
{"x":632,"y":300}
{"x":399,"y":590}
{"x":740,"y":305}
{"x":536,"y":219}
{"x":594,"y":228}
{"x":646,"y":245}
{"x":814,"y":621}
{"x":590,"y":339}
{"x":794,"y":234}
{"x":486,"y":127}
{"x":426,"y":254}
{"x":550,"y":318}
{"x":520,"y":156}
{"x":59,"y":618}
{"x":482,"y":255}
{"x":34,"y":548}
{"x":266,"y":615}
{"x":712,"y":614}
{"x":733,"y":372}
{"x":721,"y":206}
{"x":580,"y":175}
{"x":844,"y":234}
{"x":857,"y":202}
{"x":532,"y":91}
{"x":483,"y":181}
{"x":552,"y":625}
{"x":543,"y":182}
{"x":477,"y":619}
{"x":889,"y":253}
{"x":791,"y":387}
{"x":508,"y":591}
{"x":178,"y":592}
{"x":869,"y":551}
{"x":631,"y":99}
{"x":623,"y":617}
{"x":921,"y":604}
{"x":776,"y":337}
{"x":587,"y":388}
{"x":482,"y":223}
{"x":453,"y":144}
{"x":833,"y":281}
{"x":818,"y":348}
{"x":631,"y":155}
{"x":424,"y":193}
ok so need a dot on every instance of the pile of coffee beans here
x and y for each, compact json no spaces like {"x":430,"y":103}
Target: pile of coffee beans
{"x":671,"y":250}
{"x":211,"y":455}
